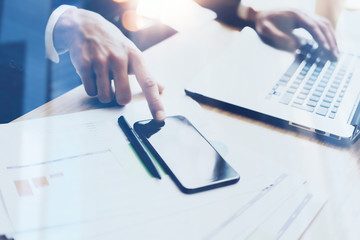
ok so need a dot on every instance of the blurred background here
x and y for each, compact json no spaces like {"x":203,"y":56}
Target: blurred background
{"x":23,"y":67}
{"x":27,"y":78}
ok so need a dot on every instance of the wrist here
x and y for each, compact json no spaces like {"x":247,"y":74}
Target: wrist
{"x":51,"y":52}
{"x":65,"y":29}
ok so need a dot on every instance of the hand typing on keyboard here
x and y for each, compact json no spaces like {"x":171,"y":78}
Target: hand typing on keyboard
{"x":313,"y":52}
{"x":276,"y":29}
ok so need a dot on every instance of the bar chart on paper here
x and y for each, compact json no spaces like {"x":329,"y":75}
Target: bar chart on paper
{"x":70,"y":189}
{"x":54,"y":171}
{"x":35,"y":178}
{"x":24,"y":188}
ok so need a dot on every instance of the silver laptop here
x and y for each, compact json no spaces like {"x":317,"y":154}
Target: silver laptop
{"x":302,"y":90}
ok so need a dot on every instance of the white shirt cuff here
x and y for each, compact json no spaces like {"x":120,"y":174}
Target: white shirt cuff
{"x":51,"y":52}
{"x":243,"y":11}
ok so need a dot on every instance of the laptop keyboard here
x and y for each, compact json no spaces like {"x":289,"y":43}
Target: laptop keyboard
{"x":315,"y":85}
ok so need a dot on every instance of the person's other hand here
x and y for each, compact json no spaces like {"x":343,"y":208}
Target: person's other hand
{"x":97,"y":48}
{"x":276,"y":29}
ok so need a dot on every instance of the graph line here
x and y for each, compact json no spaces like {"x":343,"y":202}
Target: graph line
{"x":58,"y":160}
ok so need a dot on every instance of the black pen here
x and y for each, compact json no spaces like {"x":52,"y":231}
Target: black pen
{"x":138,"y":147}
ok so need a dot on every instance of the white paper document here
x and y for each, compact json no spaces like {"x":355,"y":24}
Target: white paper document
{"x":76,"y":177}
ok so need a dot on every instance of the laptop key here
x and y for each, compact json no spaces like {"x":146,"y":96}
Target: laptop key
{"x":313,"y":78}
{"x":330,"y":94}
{"x":332,"y":90}
{"x":300,"y":77}
{"x":305,"y":107}
{"x":309,"y":83}
{"x":317,"y":94}
{"x":302,"y":96}
{"x":318,"y":69}
{"x":284,"y":80}
{"x":298,"y":101}
{"x":335,"y":85}
{"x":327,"y":75}
{"x":325,"y":81}
{"x":307,"y":87}
{"x":322,"y":85}
{"x":315,"y":75}
{"x":322,"y":111}
{"x":332,"y":115}
{"x":327,"y":99}
{"x":291,"y":90}
{"x":311,"y":103}
{"x":295,"y":85}
{"x":303,"y":72}
{"x":308,"y":108}
{"x":305,"y":91}
{"x":325,"y":104}
{"x":314,"y":98}
{"x":292,"y":69}
{"x":286,"y":98}
{"x":320,"y":89}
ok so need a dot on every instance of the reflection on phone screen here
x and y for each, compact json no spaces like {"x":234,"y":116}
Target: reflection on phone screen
{"x":185,"y":154}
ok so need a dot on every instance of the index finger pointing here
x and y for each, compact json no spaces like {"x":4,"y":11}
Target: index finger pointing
{"x":148,"y":86}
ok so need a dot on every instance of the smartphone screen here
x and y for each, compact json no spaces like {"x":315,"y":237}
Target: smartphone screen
{"x":189,"y":159}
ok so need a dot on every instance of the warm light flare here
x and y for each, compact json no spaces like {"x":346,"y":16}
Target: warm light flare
{"x":120,"y":1}
{"x":130,"y":20}
{"x":178,"y":14}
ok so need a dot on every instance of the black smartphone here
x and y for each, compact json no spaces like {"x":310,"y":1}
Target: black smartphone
{"x":189,"y":159}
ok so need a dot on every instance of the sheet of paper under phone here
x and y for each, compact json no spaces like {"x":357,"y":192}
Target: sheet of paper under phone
{"x":189,"y":159}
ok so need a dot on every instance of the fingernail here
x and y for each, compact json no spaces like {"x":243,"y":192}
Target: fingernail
{"x":160,"y":116}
